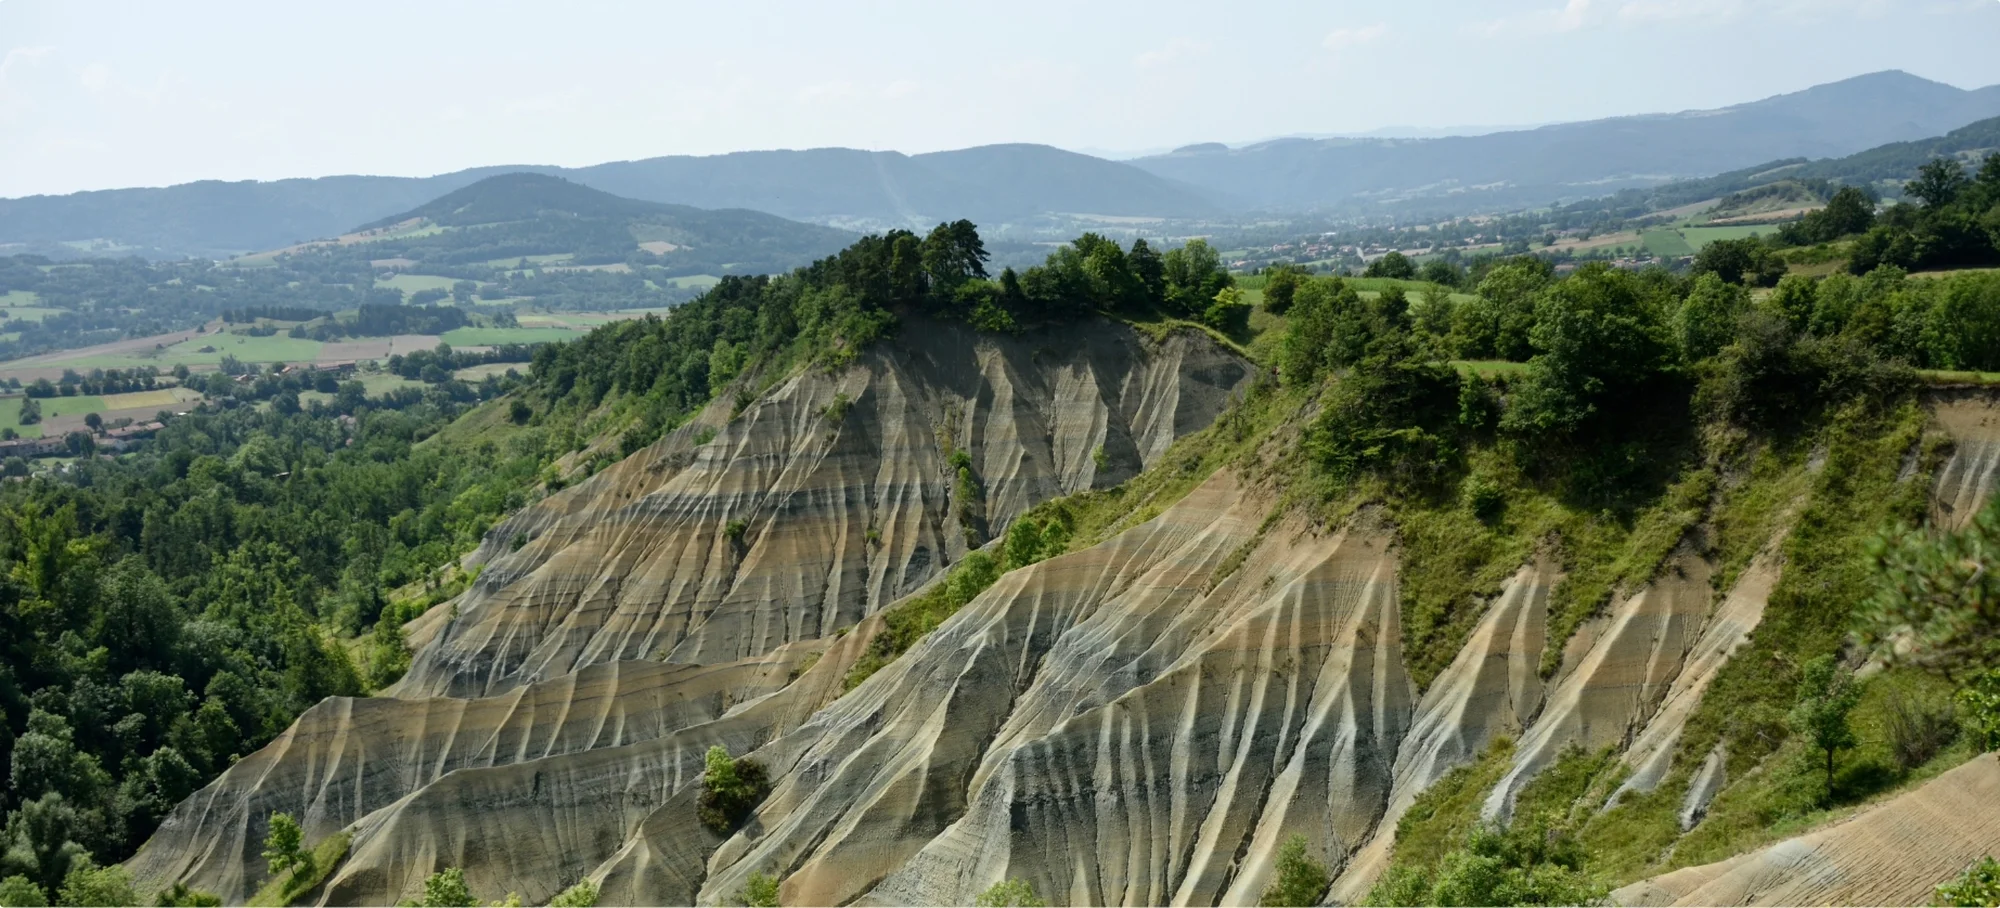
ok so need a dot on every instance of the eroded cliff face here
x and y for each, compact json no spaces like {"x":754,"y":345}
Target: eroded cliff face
{"x":1142,"y":721}
{"x":691,"y":582}
{"x":827,"y":498}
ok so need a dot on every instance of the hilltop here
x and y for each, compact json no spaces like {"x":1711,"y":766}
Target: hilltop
{"x":504,"y":219}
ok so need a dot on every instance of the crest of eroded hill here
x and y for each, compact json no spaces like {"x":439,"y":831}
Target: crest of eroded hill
{"x":1142,"y":720}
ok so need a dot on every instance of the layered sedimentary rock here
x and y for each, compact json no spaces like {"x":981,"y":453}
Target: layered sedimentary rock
{"x":1620,"y":665}
{"x":1492,"y":688}
{"x":824,"y":500}
{"x":1965,"y":484}
{"x":1892,"y":854}
{"x":348,"y":757}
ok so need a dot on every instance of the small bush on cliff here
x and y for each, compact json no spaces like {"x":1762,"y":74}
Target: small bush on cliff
{"x":760,"y":891}
{"x":1014,"y":893}
{"x":284,"y":846}
{"x":1977,"y":887}
{"x":730,"y":789}
{"x":581,"y":895}
{"x":1301,"y":880}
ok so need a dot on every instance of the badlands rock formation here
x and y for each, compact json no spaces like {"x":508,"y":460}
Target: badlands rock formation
{"x":1894,"y":854}
{"x":1139,"y":722}
{"x":696,"y":577}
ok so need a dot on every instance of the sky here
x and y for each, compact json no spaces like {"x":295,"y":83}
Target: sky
{"x":97,"y":94}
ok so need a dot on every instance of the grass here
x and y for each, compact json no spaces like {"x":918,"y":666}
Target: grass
{"x":273,"y":349}
{"x":478,"y":373}
{"x":1948,"y":377}
{"x":286,"y":889}
{"x":493,"y":337}
{"x":411,"y":283}
{"x":1666,"y":243}
{"x":1699,"y":237}
{"x":693,"y":281}
{"x":10,"y":418}
{"x":1489,"y":368}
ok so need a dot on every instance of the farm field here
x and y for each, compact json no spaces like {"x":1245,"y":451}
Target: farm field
{"x":694,"y":281}
{"x":493,"y":337}
{"x":1702,"y":236}
{"x":479,"y":373}
{"x":411,"y":283}
{"x":1668,"y":243}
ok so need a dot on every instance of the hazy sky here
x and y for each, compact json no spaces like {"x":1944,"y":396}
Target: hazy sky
{"x":106,"y":94}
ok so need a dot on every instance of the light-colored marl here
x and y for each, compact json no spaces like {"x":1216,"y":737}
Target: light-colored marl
{"x":1893,"y":854}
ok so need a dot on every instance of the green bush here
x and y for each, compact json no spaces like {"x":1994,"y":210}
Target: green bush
{"x":1977,"y":887}
{"x":1301,"y":880}
{"x":89,"y":886}
{"x":20,"y":892}
{"x":730,"y":790}
{"x":582,"y":895}
{"x":1013,"y":893}
{"x":760,"y":891}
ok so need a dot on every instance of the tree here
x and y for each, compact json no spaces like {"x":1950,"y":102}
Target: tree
{"x":284,"y":846}
{"x":20,"y":892}
{"x":1393,"y":265}
{"x":1827,"y":696}
{"x":1597,"y":337}
{"x":1194,"y":275}
{"x":1936,"y":599}
{"x":1228,"y":314}
{"x":759,"y":891}
{"x":1706,"y":321}
{"x":953,"y":254}
{"x":1938,"y":182}
{"x":1280,"y":283}
{"x":96,"y":422}
{"x":1977,"y":887}
{"x":1011,"y":893}
{"x":1739,"y":262}
{"x":31,"y":412}
{"x":1850,"y":211}
{"x":446,"y":889}
{"x":90,"y":886}
{"x":1301,"y":879}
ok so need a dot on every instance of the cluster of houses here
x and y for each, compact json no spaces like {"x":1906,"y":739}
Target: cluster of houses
{"x":57,"y":445}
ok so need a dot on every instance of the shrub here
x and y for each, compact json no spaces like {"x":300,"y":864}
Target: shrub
{"x":730,"y":790}
{"x":180,"y":896}
{"x":446,"y":889}
{"x":1013,"y":893}
{"x":760,"y":891}
{"x":1916,"y":729}
{"x":1981,"y":702}
{"x":1978,"y":886}
{"x":1301,"y":880}
{"x":581,"y":895}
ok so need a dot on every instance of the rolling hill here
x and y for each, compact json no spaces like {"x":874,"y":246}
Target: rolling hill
{"x":519,"y":215}
{"x":1576,"y":160}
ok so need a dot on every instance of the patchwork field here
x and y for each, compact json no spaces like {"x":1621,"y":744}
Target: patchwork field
{"x":493,"y":337}
{"x":411,"y":283}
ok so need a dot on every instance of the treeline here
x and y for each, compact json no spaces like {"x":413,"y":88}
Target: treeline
{"x":435,"y":366}
{"x":829,"y":311}
{"x":385,"y":320}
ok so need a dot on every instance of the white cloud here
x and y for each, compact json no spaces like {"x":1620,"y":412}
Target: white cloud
{"x":1344,"y":38}
{"x":1176,"y":51}
{"x":901,"y":88}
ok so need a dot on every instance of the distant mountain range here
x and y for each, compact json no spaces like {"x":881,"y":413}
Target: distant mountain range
{"x":1031,"y":186}
{"x":1574,"y":160}
{"x":993,"y":185}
